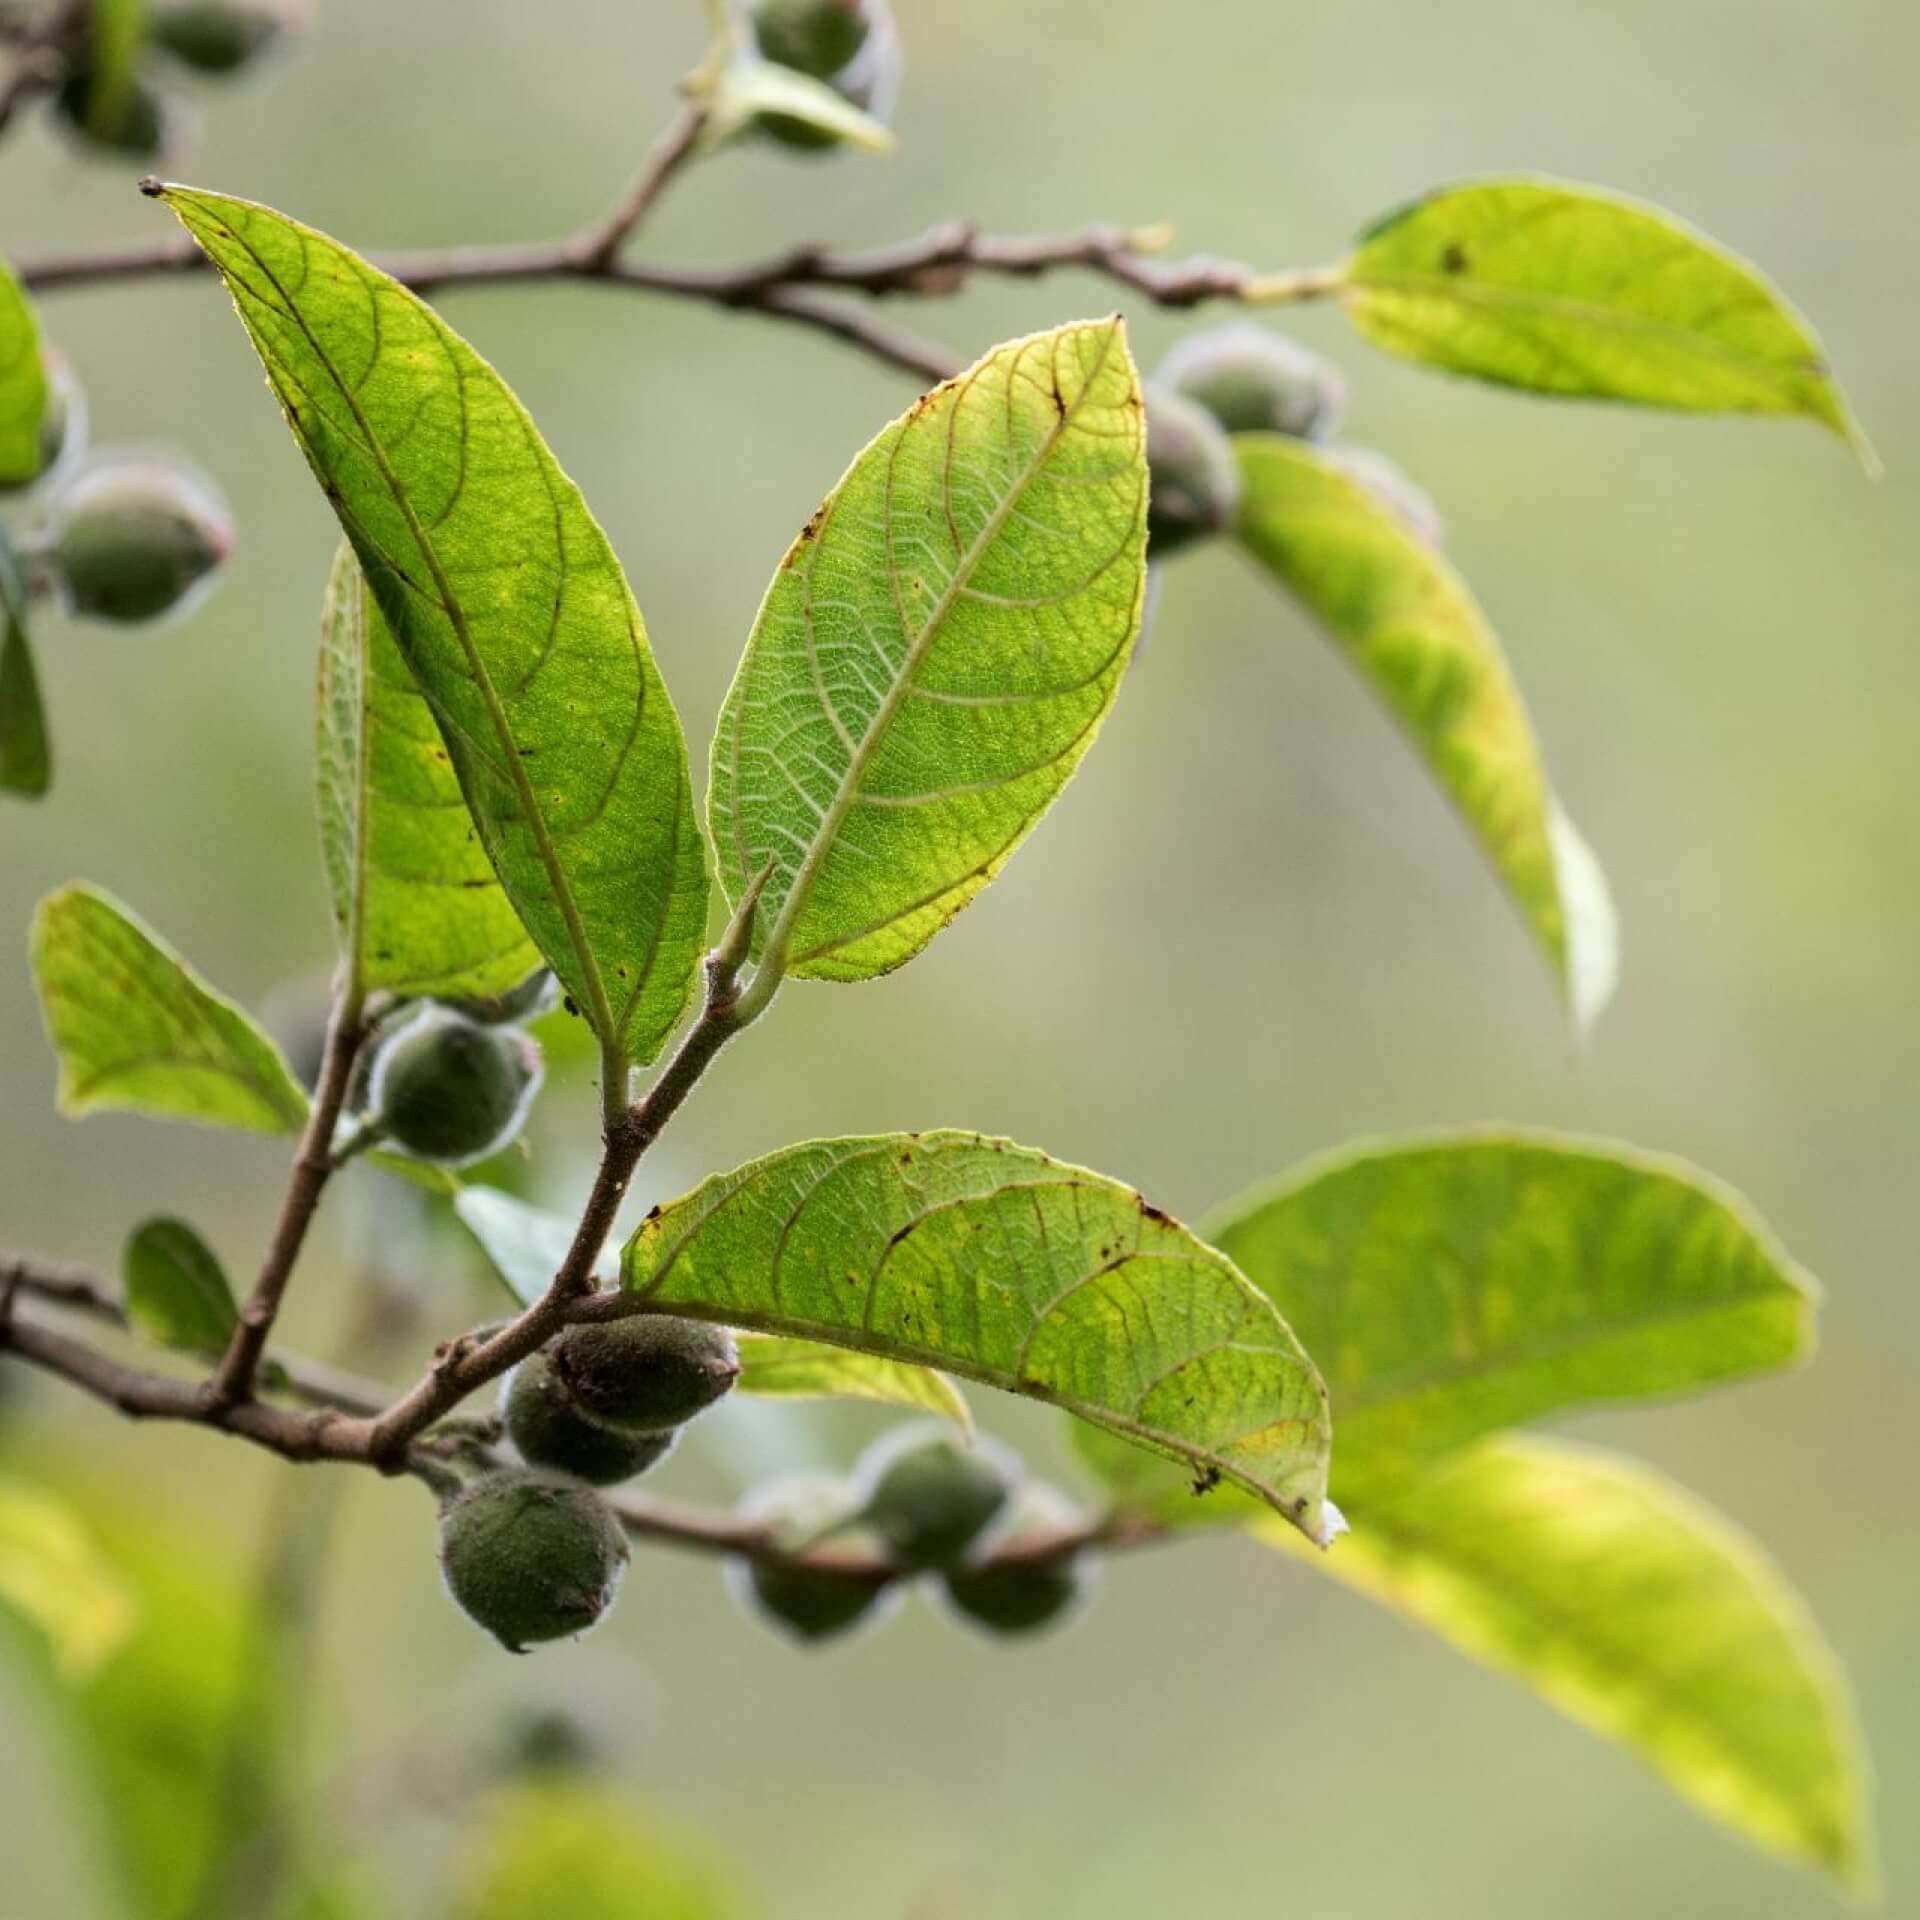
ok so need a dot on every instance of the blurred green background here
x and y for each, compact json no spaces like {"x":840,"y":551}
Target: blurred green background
{"x":1251,"y":930}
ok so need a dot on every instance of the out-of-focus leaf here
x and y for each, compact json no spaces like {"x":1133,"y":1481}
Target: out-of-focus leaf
{"x":785,"y":1368}
{"x":176,"y":1290}
{"x":417,"y":904}
{"x":135,"y":1029}
{"x":26,"y":758}
{"x":1569,"y":291}
{"x":1641,"y":1614}
{"x":1449,"y":1287}
{"x":1407,"y":621}
{"x":935,"y":654}
{"x":525,"y":1245}
{"x":993,"y":1262}
{"x":749,"y":87}
{"x":23,"y":385}
{"x":55,"y":1578}
{"x":506,"y":603}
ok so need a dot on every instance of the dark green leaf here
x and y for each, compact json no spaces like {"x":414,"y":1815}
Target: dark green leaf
{"x":991,"y":1261}
{"x":176,"y":1289}
{"x":507,"y":604}
{"x":26,"y":760}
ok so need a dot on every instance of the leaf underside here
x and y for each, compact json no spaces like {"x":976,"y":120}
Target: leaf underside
{"x":936,"y":653}
{"x":1413,"y":631}
{"x":995,"y":1263}
{"x":506,"y":603}
{"x":135,"y":1029}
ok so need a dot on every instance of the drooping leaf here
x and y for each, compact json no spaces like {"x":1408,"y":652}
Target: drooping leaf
{"x":505,"y":601}
{"x":568,"y":1847}
{"x":935,"y":654}
{"x":176,"y":1289}
{"x":23,"y":385}
{"x":785,"y":1368}
{"x":418,"y":906}
{"x":1407,"y":621}
{"x":1564,"y":290}
{"x":1449,"y":1287}
{"x":748,"y":87}
{"x":26,"y":759}
{"x":993,"y":1262}
{"x":55,"y":1578}
{"x":1641,"y":1614}
{"x":135,"y":1029}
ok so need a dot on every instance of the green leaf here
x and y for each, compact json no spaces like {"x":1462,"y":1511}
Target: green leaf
{"x":749,"y":87}
{"x":505,"y":601}
{"x":23,"y":385}
{"x":1410,"y":626}
{"x":1564,"y":290}
{"x":936,"y":652}
{"x":26,"y":760}
{"x":1453,"y":1286}
{"x":524,"y":1245}
{"x":1641,"y":1614}
{"x":136,"y":1030}
{"x":176,"y":1290}
{"x":418,"y":906}
{"x":55,"y":1578}
{"x":991,"y":1261}
{"x":566,"y":1847}
{"x":785,"y":1368}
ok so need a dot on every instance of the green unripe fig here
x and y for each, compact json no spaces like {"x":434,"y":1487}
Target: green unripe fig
{"x":538,"y":993}
{"x":1193,"y":480}
{"x":930,"y":1498}
{"x":132,"y":118}
{"x":806,"y":35}
{"x":646,"y":1374}
{"x":1254,"y":381}
{"x":816,"y":37}
{"x":805,"y":1603}
{"x":452,"y":1091}
{"x":531,"y":1556}
{"x":133,"y":537}
{"x":1412,"y":505}
{"x":1009,"y":1594}
{"x":550,"y":1431}
{"x":217,"y":37}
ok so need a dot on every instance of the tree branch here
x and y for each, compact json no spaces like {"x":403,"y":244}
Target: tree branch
{"x":599,"y":246}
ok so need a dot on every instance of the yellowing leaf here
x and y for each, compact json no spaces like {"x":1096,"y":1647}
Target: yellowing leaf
{"x":26,"y":760}
{"x":53,"y":1576}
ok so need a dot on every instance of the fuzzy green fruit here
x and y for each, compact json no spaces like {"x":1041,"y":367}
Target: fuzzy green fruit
{"x":1253,"y":381}
{"x":1409,"y":503}
{"x":1009,"y":1594}
{"x":807,"y":35}
{"x":448,"y":1090}
{"x":538,"y":993}
{"x":216,"y":36}
{"x":646,"y":1374}
{"x":805,"y":1603}
{"x":133,"y":537}
{"x":930,"y":1497}
{"x":531,"y":1556}
{"x":550,"y":1431}
{"x":1193,"y":479}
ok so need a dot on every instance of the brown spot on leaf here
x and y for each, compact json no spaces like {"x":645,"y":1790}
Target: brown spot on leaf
{"x":1454,"y":258}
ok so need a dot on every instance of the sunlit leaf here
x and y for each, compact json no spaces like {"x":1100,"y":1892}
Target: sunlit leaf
{"x":1641,"y":1614}
{"x":26,"y":760}
{"x":749,"y":87}
{"x":418,"y":906}
{"x":23,"y":386}
{"x":1449,"y":1287}
{"x":936,"y":653}
{"x":176,"y":1290}
{"x":782,"y":1367}
{"x":1565,"y":290}
{"x":55,"y":1578}
{"x":1407,"y":621}
{"x":506,"y":603}
{"x":993,"y":1262}
{"x":134,"y":1028}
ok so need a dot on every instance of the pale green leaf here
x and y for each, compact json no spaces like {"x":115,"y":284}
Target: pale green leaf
{"x":993,"y":1262}
{"x":1564,"y":290}
{"x":1449,"y":1287}
{"x":26,"y":760}
{"x":1641,"y":1614}
{"x":23,"y":386}
{"x":749,"y":87}
{"x":176,"y":1290}
{"x":135,"y":1029}
{"x":525,"y":1245}
{"x":505,"y":601}
{"x":935,"y":654}
{"x":55,"y":1578}
{"x":782,"y":1367}
{"x":418,"y":905}
{"x":1411,"y":628}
